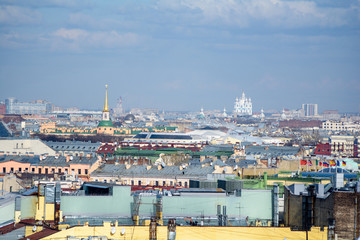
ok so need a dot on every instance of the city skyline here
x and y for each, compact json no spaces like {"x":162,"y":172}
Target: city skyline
{"x":182,"y":55}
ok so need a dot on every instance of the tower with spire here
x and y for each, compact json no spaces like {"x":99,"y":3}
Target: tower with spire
{"x":105,"y":126}
{"x":105,"y":115}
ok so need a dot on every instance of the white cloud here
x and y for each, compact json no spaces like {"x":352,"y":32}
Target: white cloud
{"x":18,"y":15}
{"x":278,"y":13}
{"x":78,"y":39}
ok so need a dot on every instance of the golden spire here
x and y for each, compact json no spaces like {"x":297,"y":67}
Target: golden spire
{"x":106,"y":108}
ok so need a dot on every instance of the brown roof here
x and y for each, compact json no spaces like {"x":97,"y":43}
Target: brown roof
{"x":39,"y":235}
{"x":12,"y":226}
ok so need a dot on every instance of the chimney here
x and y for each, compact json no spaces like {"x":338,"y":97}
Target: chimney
{"x":127,"y":166}
{"x":202,"y":158}
{"x":67,"y":158}
{"x":148,"y":167}
{"x":181,"y":168}
{"x":159,"y":167}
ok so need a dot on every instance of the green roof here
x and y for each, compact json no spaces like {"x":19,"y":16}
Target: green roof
{"x":105,"y":123}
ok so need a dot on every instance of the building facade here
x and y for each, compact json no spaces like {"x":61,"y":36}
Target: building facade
{"x":13,"y":106}
{"x":341,"y":126}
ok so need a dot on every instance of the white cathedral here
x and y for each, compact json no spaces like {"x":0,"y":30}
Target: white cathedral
{"x":243,"y":106}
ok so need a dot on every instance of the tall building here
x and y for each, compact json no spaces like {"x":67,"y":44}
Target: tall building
{"x":13,"y":106}
{"x":243,"y":106}
{"x":118,"y":110}
{"x":310,"y":109}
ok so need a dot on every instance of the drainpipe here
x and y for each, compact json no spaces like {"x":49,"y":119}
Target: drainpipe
{"x":276,"y":205}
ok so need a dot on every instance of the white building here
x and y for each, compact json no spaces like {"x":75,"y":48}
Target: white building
{"x":21,"y":146}
{"x":243,"y":106}
{"x":341,"y":126}
{"x":342,"y":145}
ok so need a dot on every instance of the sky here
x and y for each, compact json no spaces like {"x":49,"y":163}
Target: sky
{"x":182,"y":55}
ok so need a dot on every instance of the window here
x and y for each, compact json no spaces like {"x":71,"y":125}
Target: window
{"x":46,"y":171}
{"x":59,"y":171}
{"x":171,"y":183}
{"x":186,"y":184}
{"x":79,"y":171}
{"x":132,"y":182}
{"x":53,"y":170}
{"x":139,"y":183}
{"x":4,"y":169}
{"x":180,"y":184}
{"x":156,"y":183}
{"x":20,"y":169}
{"x":26,"y":169}
{"x":86,"y":171}
{"x":39,"y":170}
{"x":164,"y":183}
{"x":12,"y":169}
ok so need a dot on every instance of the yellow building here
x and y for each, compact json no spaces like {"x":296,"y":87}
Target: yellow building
{"x":109,"y":231}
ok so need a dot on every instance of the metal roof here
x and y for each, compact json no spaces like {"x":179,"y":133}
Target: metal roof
{"x":141,"y":170}
{"x":61,"y":161}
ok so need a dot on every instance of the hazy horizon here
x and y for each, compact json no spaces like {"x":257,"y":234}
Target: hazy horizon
{"x":182,"y":55}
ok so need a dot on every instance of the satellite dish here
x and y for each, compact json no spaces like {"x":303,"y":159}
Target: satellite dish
{"x":236,"y":167}
{"x":113,"y":230}
{"x":34,"y":228}
{"x":123,"y":231}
